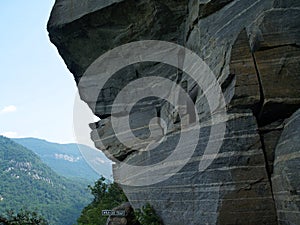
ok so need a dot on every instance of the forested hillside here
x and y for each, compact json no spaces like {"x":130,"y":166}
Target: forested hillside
{"x":67,"y":159}
{"x":26,"y":182}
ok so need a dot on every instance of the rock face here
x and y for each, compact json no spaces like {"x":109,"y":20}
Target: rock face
{"x":286,"y":179}
{"x":252,"y":48}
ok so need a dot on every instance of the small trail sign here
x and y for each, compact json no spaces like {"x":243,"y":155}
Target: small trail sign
{"x":113,"y":213}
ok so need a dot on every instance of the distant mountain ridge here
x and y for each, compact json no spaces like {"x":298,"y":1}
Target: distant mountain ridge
{"x":67,"y":160}
{"x":27,"y":182}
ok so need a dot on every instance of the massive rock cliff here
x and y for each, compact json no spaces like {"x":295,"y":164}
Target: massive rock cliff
{"x":253,"y":49}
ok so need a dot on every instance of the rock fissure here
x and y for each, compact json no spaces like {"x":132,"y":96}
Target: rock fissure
{"x":261,"y":90}
{"x":265,"y":48}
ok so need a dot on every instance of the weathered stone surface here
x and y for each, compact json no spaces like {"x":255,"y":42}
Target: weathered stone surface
{"x":233,"y":190}
{"x":253,"y":49}
{"x":286,"y":178}
{"x":270,"y":135}
{"x":286,"y":3}
{"x":243,"y":72}
{"x":277,"y":54}
{"x":83,"y":30}
{"x":207,"y":8}
{"x":65,"y":11}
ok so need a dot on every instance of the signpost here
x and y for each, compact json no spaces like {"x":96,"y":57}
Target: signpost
{"x":113,"y":213}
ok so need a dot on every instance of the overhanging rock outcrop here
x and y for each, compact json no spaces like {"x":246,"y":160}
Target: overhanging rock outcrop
{"x":252,"y":47}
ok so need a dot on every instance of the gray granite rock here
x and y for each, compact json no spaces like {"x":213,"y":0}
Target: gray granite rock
{"x":255,"y":57}
{"x":83,"y":30}
{"x":233,"y":190}
{"x":275,"y":46}
{"x":286,"y":178}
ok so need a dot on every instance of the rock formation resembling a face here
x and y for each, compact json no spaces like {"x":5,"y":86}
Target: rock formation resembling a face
{"x":251,"y":47}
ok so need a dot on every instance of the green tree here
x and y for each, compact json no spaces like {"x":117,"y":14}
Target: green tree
{"x":24,"y":217}
{"x":148,"y":216}
{"x":106,"y":196}
{"x":59,"y":200}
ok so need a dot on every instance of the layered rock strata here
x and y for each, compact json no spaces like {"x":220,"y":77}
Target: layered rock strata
{"x":252,"y":47}
{"x":285,"y":178}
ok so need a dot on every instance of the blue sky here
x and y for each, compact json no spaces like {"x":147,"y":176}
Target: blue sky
{"x":36,"y":89}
